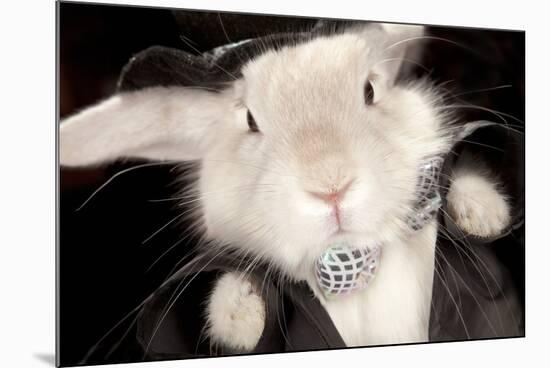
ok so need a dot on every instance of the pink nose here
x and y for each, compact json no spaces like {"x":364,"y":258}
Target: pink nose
{"x":334,"y":195}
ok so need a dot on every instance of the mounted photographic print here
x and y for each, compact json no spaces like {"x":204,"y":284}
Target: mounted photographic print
{"x":248,"y":183}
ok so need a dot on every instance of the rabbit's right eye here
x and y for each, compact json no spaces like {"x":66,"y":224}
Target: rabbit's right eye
{"x":369,"y":93}
{"x":252,"y":123}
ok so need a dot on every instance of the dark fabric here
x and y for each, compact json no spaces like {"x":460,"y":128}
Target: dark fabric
{"x":164,"y":66}
{"x":172,"y":67}
{"x":295,"y":320}
{"x":478,"y":284}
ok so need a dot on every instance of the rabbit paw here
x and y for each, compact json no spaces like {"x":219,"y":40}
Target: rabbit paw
{"x":476,"y":205}
{"x":235,"y":313}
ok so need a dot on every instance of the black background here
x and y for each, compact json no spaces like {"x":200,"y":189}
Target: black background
{"x":103,"y":263}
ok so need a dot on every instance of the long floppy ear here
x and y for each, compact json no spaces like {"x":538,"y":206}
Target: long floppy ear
{"x":158,"y":123}
{"x":402,"y":48}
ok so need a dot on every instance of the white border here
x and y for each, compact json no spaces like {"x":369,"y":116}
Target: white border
{"x":27,"y":181}
{"x":466,"y":13}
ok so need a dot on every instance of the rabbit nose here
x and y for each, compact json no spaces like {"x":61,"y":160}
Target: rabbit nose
{"x":334,"y":195}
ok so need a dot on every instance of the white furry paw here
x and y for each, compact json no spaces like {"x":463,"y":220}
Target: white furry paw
{"x":476,"y":205}
{"x":235,"y":313}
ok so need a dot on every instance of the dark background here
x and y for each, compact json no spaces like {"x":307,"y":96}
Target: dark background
{"x":103,"y":263}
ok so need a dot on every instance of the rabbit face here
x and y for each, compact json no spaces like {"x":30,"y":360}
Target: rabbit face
{"x":308,"y":158}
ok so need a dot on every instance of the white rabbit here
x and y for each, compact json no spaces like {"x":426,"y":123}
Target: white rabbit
{"x":314,"y":143}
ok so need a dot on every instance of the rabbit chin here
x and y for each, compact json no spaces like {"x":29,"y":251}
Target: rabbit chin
{"x":298,"y":261}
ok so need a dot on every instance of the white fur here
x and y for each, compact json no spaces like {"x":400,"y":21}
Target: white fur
{"x":235,"y":313}
{"x":316,"y":135}
{"x":156,"y":123}
{"x":475,"y":201}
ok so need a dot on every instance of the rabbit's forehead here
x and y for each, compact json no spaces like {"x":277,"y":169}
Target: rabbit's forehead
{"x":323,"y":62}
{"x":309,"y":80}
